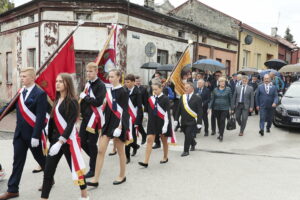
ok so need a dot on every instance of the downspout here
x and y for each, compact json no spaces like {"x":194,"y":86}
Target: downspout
{"x":239,"y":48}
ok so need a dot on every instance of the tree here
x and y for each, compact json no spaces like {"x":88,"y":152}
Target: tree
{"x":6,"y":5}
{"x":288,"y":36}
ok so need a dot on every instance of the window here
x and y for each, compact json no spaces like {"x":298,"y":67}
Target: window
{"x":258,"y":60}
{"x":8,"y":68}
{"x":181,"y":34}
{"x":202,"y":57}
{"x":204,"y":39}
{"x":31,"y":19}
{"x":31,"y":58}
{"x":228,"y":66}
{"x":246,"y":57}
{"x":162,"y":57}
{"x":83,"y":15}
{"x":178,"y":55}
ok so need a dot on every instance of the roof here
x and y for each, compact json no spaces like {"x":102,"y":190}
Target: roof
{"x":253,"y":30}
{"x":286,"y":43}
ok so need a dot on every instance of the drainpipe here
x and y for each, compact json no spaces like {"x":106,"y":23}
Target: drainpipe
{"x":239,"y":48}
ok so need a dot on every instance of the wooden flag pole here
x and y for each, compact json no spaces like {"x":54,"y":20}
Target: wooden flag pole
{"x":15,"y":98}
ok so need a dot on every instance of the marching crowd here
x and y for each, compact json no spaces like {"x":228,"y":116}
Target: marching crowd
{"x":116,"y":113}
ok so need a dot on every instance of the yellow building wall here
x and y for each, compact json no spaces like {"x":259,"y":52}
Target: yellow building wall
{"x":261,"y":46}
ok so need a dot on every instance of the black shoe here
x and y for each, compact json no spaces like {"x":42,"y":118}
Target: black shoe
{"x":268,"y":130}
{"x":206,"y":134}
{"x":119,"y":182}
{"x":143,"y":164}
{"x":261,"y":132}
{"x":143,"y":141}
{"x":185,"y":154}
{"x":128,"y":160}
{"x":177,"y":127}
{"x":221,"y":138}
{"x":92,"y":184}
{"x":112,"y":154}
{"x":156,"y":146}
{"x":37,"y":171}
{"x":193,"y":146}
{"x":164,"y":161}
{"x":135,"y":150}
{"x":213,"y":133}
{"x":90,"y":174}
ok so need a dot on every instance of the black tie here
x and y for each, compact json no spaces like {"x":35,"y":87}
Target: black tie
{"x":155,"y":105}
{"x":24,"y":93}
{"x":114,"y":102}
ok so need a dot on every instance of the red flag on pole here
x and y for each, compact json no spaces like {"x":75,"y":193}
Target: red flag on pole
{"x":64,"y":62}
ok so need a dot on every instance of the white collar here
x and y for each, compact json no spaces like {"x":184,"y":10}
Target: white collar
{"x":117,"y":87}
{"x":94,"y":80}
{"x":190,"y":95}
{"x":131,"y":90}
{"x":158,"y":95}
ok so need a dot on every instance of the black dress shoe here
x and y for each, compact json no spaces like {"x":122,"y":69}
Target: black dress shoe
{"x":221,"y":138}
{"x":164,"y":161}
{"x":261,"y":132}
{"x":92,"y":184}
{"x":119,"y":182}
{"x":135,"y":150}
{"x":213,"y":133}
{"x":192,"y":148}
{"x":268,"y":130}
{"x":127,"y":160}
{"x":143,"y":164}
{"x":37,"y":171}
{"x":185,"y":154}
{"x":156,"y":146}
{"x":90,"y":174}
{"x":112,"y":154}
{"x":206,"y":134}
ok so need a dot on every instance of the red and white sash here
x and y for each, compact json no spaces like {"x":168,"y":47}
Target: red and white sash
{"x":97,"y":119}
{"x":30,"y":118}
{"x":78,"y":166}
{"x":132,"y":118}
{"x":161,"y":114}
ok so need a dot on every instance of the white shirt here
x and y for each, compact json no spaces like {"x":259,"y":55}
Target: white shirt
{"x":131,"y":90}
{"x":117,"y":87}
{"x":243,"y":91}
{"x":29,"y":89}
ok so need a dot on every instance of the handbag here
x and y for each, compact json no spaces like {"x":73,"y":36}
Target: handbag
{"x":231,"y":123}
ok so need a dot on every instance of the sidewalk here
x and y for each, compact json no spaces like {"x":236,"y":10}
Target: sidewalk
{"x":8,"y":124}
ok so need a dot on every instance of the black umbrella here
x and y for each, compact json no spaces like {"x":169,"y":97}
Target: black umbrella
{"x":167,"y":67}
{"x":248,"y":70}
{"x":275,"y":63}
{"x":150,"y":65}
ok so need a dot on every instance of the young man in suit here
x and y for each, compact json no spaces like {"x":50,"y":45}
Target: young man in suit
{"x":135,"y":112}
{"x":92,"y":100}
{"x":31,"y":107}
{"x":190,"y":110}
{"x":266,"y":99}
{"x":243,"y":103}
{"x":204,"y":93}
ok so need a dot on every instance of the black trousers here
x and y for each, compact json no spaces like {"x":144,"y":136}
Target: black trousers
{"x":221,"y":116}
{"x":205,"y":119}
{"x":50,"y":168}
{"x":89,"y":144}
{"x":21,"y":147}
{"x":189,"y":136}
{"x":213,"y":121}
{"x":142,"y":130}
{"x":133,"y":145}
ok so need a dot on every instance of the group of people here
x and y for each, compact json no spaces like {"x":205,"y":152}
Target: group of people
{"x":116,"y":112}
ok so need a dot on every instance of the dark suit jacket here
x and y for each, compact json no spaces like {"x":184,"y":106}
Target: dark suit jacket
{"x":136,"y":99}
{"x":195,"y":103}
{"x":205,"y":96}
{"x":144,"y":94}
{"x":265,"y":100}
{"x":36,"y":102}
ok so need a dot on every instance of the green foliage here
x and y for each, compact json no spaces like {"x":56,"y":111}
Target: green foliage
{"x":288,"y":36}
{"x":6,"y":5}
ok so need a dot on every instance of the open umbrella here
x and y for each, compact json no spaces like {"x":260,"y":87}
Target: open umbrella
{"x":275,"y":63}
{"x":267,"y":71}
{"x":248,"y":70}
{"x":290,"y":68}
{"x":209,"y":64}
{"x":150,"y":65}
{"x":167,"y":67}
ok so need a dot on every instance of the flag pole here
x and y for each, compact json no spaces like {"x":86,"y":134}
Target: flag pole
{"x":15,"y":98}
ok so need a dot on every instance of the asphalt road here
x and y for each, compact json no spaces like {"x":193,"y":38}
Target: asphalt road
{"x":240,"y":168}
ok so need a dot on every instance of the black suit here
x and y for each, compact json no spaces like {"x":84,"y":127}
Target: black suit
{"x":89,"y":140}
{"x":205,"y":97}
{"x":145,"y":96}
{"x":136,"y":99}
{"x":36,"y":102}
{"x":188,"y":123}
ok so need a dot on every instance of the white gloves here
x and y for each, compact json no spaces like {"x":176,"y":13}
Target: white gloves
{"x":35,"y":142}
{"x":82,"y":95}
{"x":175,"y":123}
{"x":55,"y":149}
{"x":136,"y":126}
{"x":117,"y":132}
{"x":165,"y":129}
{"x":145,"y":115}
{"x":199,"y":126}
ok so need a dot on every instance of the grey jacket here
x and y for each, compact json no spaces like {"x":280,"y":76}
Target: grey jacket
{"x":248,"y":98}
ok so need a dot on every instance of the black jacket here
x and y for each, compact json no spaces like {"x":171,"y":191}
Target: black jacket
{"x":144,"y":95}
{"x":205,"y":96}
{"x":136,"y":99}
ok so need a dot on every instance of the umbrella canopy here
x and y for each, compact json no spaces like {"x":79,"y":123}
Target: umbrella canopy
{"x":275,"y":63}
{"x":209,"y":64}
{"x":167,"y":67}
{"x":248,"y":70}
{"x":150,"y":65}
{"x":291,"y":68}
{"x":267,"y":71}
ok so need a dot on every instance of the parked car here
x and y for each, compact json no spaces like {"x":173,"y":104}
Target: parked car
{"x":287,"y":113}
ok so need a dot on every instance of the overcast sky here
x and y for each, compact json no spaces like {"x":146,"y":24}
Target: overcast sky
{"x":260,"y":14}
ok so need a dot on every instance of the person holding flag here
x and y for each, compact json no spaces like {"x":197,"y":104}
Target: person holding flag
{"x":92,"y":115}
{"x":115,"y":127}
{"x":159,"y":122}
{"x":31,"y":106}
{"x":135,"y":110}
{"x":190,"y":110}
{"x":63,"y":137}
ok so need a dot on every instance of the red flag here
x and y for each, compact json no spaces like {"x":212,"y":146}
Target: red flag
{"x":64,"y":62}
{"x":108,"y":58}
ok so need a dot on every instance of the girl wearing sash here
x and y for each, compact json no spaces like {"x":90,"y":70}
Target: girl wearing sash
{"x":63,"y":136}
{"x":159,"y":119}
{"x":116,"y":127}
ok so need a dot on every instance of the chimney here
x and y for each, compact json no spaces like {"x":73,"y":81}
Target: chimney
{"x":149,"y":4}
{"x":274,"y":31}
